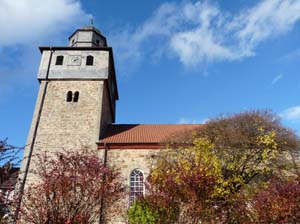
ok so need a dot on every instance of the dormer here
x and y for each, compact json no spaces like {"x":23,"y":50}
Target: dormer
{"x":87,"y":36}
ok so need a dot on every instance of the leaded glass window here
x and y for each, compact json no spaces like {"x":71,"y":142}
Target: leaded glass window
{"x":136,"y":185}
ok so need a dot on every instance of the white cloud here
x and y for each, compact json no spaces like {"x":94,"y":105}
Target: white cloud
{"x":291,"y":114}
{"x":130,"y":44}
{"x":201,"y":32}
{"x":24,"y":21}
{"x":276,"y":79}
{"x":24,"y":24}
{"x":267,"y":19}
{"x":184,"y":120}
{"x":199,"y":46}
{"x":291,"y":56}
{"x":201,"y":43}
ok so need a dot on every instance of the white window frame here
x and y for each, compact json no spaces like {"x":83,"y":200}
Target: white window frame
{"x":136,"y":186}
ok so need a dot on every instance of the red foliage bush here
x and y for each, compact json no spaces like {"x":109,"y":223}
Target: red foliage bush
{"x":278,"y":203}
{"x":71,"y":188}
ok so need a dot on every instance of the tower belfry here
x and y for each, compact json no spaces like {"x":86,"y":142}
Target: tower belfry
{"x":87,"y":36}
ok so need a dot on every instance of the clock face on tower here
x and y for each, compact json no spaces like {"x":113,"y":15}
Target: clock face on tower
{"x":74,"y":60}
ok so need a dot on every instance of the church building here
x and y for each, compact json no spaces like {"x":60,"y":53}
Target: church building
{"x":76,"y":109}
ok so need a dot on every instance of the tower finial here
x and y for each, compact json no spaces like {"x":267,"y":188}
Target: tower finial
{"x":91,"y":21}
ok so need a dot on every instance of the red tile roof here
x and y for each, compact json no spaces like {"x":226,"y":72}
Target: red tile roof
{"x":144,"y":133}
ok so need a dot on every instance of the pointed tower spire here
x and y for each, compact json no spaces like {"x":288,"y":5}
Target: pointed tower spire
{"x":92,"y":21}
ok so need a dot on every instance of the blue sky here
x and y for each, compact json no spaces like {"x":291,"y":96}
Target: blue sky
{"x":176,"y":61}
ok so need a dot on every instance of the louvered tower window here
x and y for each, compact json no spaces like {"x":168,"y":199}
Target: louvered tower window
{"x":89,"y":60}
{"x":69,"y":96}
{"x":76,"y":97}
{"x":59,"y":60}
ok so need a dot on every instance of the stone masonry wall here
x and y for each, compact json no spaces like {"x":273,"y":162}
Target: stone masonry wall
{"x":67,"y":125}
{"x":106,"y":115}
{"x":126,"y":160}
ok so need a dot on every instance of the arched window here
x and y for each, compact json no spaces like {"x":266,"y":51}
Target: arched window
{"x":69,"y":96}
{"x":89,"y":60}
{"x":136,"y":185}
{"x":76,"y":97}
{"x":59,"y":60}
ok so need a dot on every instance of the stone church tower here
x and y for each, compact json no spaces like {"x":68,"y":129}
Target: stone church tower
{"x":77,"y":96}
{"x":76,"y":108}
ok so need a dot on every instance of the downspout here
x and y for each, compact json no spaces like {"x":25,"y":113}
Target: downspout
{"x":21,"y":191}
{"x":101,"y":218}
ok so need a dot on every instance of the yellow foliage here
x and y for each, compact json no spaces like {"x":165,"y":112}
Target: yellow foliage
{"x":198,"y":157}
{"x":201,"y":157}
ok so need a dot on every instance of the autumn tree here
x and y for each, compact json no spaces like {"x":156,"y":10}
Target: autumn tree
{"x":211,"y":175}
{"x":252,"y":147}
{"x":252,"y":143}
{"x":9,"y":158}
{"x":181,"y":185}
{"x":9,"y":166}
{"x":190,"y":183}
{"x":73,"y":187}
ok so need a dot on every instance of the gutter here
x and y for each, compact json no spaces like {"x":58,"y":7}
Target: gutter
{"x":131,"y":145}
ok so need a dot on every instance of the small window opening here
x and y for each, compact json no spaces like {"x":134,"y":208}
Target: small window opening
{"x":73,"y":41}
{"x":76,"y":97}
{"x":59,"y":60}
{"x":98,"y":42}
{"x":69,"y":96}
{"x":89,"y":60}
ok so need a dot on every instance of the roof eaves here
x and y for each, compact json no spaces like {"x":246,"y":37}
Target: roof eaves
{"x":123,"y":143}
